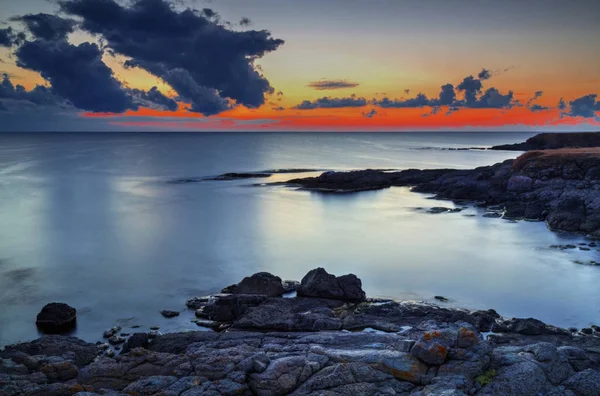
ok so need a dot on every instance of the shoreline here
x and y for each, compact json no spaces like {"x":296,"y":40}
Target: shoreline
{"x":329,"y":339}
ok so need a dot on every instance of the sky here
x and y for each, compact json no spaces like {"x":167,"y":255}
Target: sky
{"x":289,"y":65}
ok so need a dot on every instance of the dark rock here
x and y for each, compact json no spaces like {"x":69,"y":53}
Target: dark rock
{"x":584,"y":383}
{"x":79,"y":351}
{"x":544,"y":141}
{"x":115,"y":340}
{"x":262,"y":283}
{"x":290,"y":285}
{"x":56,"y":318}
{"x":227,"y":308}
{"x":239,"y":176}
{"x":493,"y":215}
{"x":137,"y":340}
{"x":111,"y":332}
{"x":319,"y":283}
{"x":169,"y":314}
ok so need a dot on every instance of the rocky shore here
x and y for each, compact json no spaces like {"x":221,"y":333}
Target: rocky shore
{"x":549,"y":141}
{"x":560,"y":187}
{"x":320,"y":336}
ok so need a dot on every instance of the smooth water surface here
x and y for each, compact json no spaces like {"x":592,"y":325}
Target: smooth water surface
{"x":90,"y":220}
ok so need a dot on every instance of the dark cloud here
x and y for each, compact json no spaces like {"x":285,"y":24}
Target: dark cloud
{"x":76,"y":73}
{"x":40,"y":95}
{"x":6,"y":37}
{"x":447,"y":96}
{"x":562,"y":105}
{"x":280,"y":108}
{"x":330,"y":103}
{"x":484,"y":74}
{"x":407,"y":91}
{"x":245,"y":21}
{"x":372,"y":113}
{"x":537,"y":107}
{"x":323,"y":85}
{"x":585,"y":106}
{"x":46,"y":26}
{"x":156,"y":97}
{"x":471,"y":87}
{"x":203,"y":61}
{"x":493,"y":99}
{"x":420,"y":100}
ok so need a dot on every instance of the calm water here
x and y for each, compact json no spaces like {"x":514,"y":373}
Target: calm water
{"x":88,"y":219}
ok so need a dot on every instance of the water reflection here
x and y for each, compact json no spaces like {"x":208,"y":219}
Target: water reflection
{"x":90,"y":221}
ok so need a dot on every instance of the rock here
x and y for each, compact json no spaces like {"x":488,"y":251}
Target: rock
{"x":227,"y":308}
{"x":519,"y":379}
{"x":519,"y":184}
{"x":319,"y":283}
{"x":71,"y":348}
{"x":584,"y":383}
{"x":111,"y":332}
{"x":115,"y":340}
{"x":432,"y":348}
{"x":290,"y":285}
{"x":59,"y":371}
{"x":56,"y":318}
{"x":137,"y":340}
{"x":169,"y":314}
{"x":262,"y":283}
{"x":492,"y":215}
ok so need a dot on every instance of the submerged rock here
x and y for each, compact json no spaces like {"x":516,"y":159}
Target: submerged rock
{"x":56,"y":318}
{"x":169,"y":314}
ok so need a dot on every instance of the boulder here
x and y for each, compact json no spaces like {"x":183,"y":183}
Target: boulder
{"x":56,"y":318}
{"x":262,"y":283}
{"x":169,"y":314}
{"x":319,"y":283}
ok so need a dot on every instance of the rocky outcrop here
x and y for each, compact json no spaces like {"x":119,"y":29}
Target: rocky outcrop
{"x":546,"y":141}
{"x":557,"y":186}
{"x":262,"y":283}
{"x":56,"y":318}
{"x":319,"y":283}
{"x":318,"y":346}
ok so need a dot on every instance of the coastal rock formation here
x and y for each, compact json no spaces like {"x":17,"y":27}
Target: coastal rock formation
{"x":546,"y":141}
{"x":319,"y":346}
{"x":318,"y":283}
{"x":56,"y":318}
{"x":561,"y":187}
{"x":262,"y":283}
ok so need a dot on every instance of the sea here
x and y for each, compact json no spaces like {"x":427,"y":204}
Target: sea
{"x":94,"y":220}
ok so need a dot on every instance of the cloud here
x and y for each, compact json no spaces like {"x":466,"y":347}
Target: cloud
{"x":484,"y":74}
{"x":493,"y":99}
{"x":280,"y":108}
{"x":537,"y":107}
{"x":372,"y":113}
{"x":8,"y":37}
{"x":471,"y":87}
{"x":46,"y":26}
{"x":154,"y":96}
{"x":330,"y":103}
{"x":585,"y":106}
{"x":16,"y":95}
{"x":447,"y":96}
{"x":420,"y":100}
{"x":77,"y":73}
{"x":562,"y":105}
{"x":323,"y":85}
{"x":407,"y":91}
{"x":245,"y":21}
{"x":183,"y":47}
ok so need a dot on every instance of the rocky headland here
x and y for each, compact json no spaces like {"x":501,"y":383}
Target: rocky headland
{"x":560,"y":187}
{"x":549,"y":141}
{"x":320,"y":336}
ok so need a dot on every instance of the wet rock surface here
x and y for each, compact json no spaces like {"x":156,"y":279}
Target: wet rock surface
{"x":318,"y":346}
